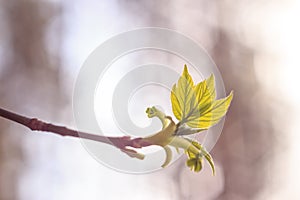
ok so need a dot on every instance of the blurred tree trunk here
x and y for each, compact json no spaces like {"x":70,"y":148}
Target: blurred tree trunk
{"x":246,"y":144}
{"x":28,"y":77}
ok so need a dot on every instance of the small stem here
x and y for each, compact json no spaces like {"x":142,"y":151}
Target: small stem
{"x":38,"y":125}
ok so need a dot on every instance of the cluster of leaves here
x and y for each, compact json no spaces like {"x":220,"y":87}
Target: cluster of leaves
{"x":196,"y":105}
{"x":196,"y":108}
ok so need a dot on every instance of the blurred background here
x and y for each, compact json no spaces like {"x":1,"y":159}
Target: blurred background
{"x":255,"y":45}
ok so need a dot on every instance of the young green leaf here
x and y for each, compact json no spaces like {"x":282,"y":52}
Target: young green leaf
{"x":205,"y":93}
{"x":195,"y":160}
{"x":183,"y":96}
{"x":212,"y":113}
{"x":196,"y":105}
{"x":195,"y":164}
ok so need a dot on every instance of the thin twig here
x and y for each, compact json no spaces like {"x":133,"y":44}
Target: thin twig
{"x":37,"y":125}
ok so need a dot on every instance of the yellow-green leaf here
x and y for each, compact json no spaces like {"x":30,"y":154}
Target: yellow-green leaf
{"x":195,"y":159}
{"x":182,"y":96}
{"x":205,"y":93}
{"x":212,"y":114}
{"x":195,"y":164}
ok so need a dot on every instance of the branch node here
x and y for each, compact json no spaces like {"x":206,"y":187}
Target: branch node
{"x":35,"y":124}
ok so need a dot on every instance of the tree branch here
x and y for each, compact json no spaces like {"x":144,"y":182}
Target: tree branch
{"x":38,"y":125}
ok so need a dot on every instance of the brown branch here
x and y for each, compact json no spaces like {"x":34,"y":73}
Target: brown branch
{"x":38,"y":125}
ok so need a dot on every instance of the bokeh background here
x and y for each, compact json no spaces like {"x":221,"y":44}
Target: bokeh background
{"x":255,"y":44}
